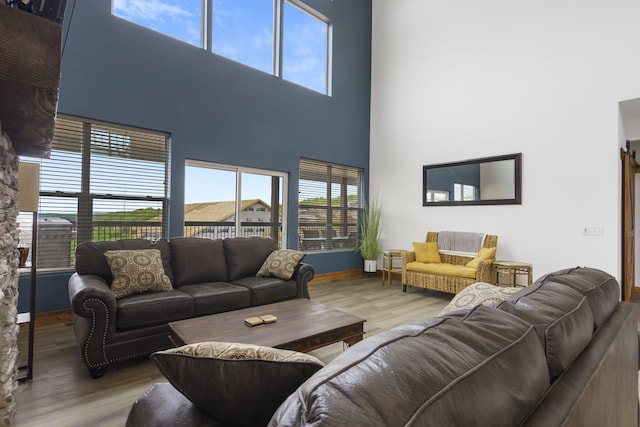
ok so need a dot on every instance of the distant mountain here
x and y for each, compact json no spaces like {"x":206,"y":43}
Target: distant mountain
{"x":131,"y":216}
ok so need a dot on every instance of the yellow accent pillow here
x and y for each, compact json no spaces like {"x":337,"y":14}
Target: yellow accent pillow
{"x":485,"y":254}
{"x":427,"y":252}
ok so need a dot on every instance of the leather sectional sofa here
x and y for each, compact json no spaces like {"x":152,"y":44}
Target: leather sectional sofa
{"x":561,"y":352}
{"x":208,"y":276}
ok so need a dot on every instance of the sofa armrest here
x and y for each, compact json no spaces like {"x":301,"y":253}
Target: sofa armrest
{"x":303,"y":274}
{"x":485,"y":272}
{"x":88,"y":287}
{"x":407,"y":257}
{"x":94,"y":308}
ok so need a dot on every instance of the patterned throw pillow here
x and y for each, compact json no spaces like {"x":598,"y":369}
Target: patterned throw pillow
{"x":137,"y":271}
{"x":237,"y":384}
{"x":479,"y":293}
{"x":280,"y":263}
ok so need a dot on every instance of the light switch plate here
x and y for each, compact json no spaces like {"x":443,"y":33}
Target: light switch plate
{"x":594,"y":230}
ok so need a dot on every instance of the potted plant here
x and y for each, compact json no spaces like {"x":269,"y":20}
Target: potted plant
{"x":370,"y":246}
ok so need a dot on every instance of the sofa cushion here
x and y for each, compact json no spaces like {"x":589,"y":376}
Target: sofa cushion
{"x":443,"y":269}
{"x":485,"y":254}
{"x":218,"y":297}
{"x":427,"y":252}
{"x":198,"y":260}
{"x":245,"y":255}
{"x":421,"y":374}
{"x":90,"y":257}
{"x":479,"y":293}
{"x":149,"y":309}
{"x":267,"y":290}
{"x":237,"y":384}
{"x":561,"y":316}
{"x":601,"y":289}
{"x":137,"y":271}
{"x":281,"y":263}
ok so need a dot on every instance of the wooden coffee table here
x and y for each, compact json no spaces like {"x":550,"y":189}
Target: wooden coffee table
{"x":302,"y":325}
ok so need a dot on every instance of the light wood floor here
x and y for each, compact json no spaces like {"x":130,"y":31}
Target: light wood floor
{"x":62,"y":393}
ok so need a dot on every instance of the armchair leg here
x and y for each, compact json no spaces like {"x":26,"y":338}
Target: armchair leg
{"x":404,"y":288}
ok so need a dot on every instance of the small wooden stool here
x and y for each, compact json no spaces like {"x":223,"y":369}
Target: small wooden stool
{"x":388,"y":256}
{"x":512,"y":269}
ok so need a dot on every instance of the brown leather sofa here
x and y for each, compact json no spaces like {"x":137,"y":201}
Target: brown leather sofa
{"x":208,"y":276}
{"x":561,"y":352}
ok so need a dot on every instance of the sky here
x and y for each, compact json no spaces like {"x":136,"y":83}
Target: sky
{"x":242,"y":31}
{"x":207,"y":185}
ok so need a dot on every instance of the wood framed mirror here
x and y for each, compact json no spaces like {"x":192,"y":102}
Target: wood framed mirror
{"x":493,"y":180}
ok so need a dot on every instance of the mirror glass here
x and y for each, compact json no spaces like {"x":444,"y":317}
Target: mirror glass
{"x":486,"y":181}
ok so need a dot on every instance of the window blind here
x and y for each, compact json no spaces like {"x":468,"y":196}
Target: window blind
{"x":329,"y":203}
{"x":101,"y":182}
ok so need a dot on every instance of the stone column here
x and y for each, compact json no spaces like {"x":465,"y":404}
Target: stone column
{"x":8,"y":279}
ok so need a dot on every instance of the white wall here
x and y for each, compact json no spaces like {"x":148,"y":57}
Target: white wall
{"x":460,"y":79}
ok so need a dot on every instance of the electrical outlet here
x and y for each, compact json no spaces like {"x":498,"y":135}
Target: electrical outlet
{"x":594,"y":230}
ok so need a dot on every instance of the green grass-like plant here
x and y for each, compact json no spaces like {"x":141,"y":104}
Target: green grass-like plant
{"x":370,"y":246}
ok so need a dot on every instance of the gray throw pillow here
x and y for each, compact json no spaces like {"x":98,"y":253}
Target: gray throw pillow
{"x":237,"y":384}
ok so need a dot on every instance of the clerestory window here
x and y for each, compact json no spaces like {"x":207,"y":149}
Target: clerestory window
{"x":285,"y":38}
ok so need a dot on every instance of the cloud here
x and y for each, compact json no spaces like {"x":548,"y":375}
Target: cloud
{"x":154,"y":10}
{"x":305,"y":53}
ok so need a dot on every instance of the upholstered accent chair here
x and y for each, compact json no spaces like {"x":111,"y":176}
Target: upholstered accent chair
{"x":453,"y":276}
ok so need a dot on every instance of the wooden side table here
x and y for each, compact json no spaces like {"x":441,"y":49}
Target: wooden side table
{"x":512,"y":269}
{"x":388,"y":256}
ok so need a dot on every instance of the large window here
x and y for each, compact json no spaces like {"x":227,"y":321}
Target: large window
{"x":101,"y":182}
{"x":328,"y":206}
{"x":285,"y":38}
{"x":227,"y":201}
{"x":304,"y":49}
{"x":243,"y":31}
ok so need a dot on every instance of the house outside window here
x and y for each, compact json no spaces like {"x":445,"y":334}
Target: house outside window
{"x":329,"y":206}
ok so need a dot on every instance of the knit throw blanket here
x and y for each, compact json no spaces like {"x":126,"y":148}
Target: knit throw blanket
{"x":460,"y":243}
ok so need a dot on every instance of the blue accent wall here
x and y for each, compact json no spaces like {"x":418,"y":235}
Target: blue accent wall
{"x":215,"y":109}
